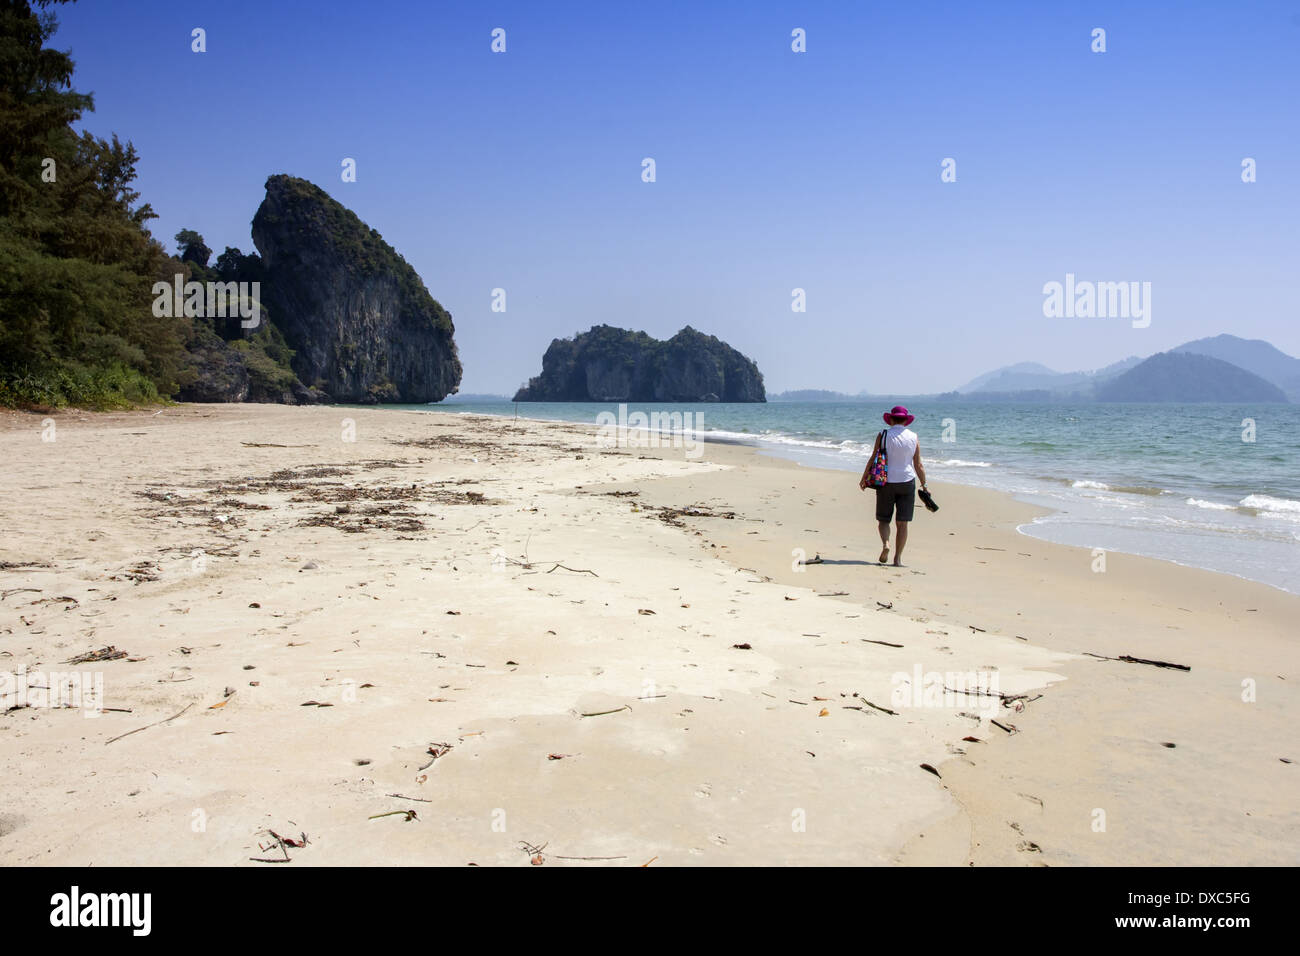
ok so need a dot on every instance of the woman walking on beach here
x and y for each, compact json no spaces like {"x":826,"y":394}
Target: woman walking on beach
{"x":902,"y":466}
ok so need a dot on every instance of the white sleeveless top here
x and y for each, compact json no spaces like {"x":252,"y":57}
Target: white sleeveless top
{"x":900,"y":447}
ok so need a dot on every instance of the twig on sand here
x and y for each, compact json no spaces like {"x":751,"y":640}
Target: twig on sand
{"x":1009,"y":728}
{"x":147,"y":726}
{"x":878,"y":707}
{"x":574,"y":570}
{"x":558,"y":857}
{"x":886,"y":643}
{"x":833,"y":594}
{"x":602,"y":713}
{"x":1139,"y":660}
{"x":402,"y":796}
{"x":409,"y":814}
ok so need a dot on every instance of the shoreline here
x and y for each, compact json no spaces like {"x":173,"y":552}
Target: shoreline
{"x":773,"y":450}
{"x":718,"y":738}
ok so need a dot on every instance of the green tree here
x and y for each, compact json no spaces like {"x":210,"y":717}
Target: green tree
{"x":77,"y":262}
{"x":192,"y":247}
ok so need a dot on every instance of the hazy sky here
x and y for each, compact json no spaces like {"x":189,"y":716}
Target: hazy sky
{"x":775,"y":170}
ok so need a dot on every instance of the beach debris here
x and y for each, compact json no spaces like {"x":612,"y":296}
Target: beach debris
{"x":1286,"y":759}
{"x":1009,"y":728}
{"x":109,"y":653}
{"x":408,"y":814}
{"x":283,"y":843}
{"x":559,"y":756}
{"x":1127,"y":659}
{"x":254,"y":604}
{"x":647,"y":862}
{"x":972,"y":740}
{"x":1169,"y":745}
{"x":5,"y":594}
{"x":361,"y":761}
{"x":644,"y":610}
{"x":816,"y":559}
{"x":886,"y":643}
{"x":833,"y":594}
{"x":974,"y":628}
{"x":602,"y":713}
{"x":887,"y":606}
{"x":454,"y":613}
{"x":575,"y":570}
{"x":926,"y":767}
{"x":788,"y":598}
{"x":534,"y":852}
{"x":824,"y":712}
{"x":883,"y":710}
{"x":147,"y":726}
{"x":435,"y":751}
{"x":402,"y":796}
{"x":743,"y":647}
{"x":314,"y":703}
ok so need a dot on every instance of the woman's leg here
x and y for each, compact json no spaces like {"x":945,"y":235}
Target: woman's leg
{"x":900,"y":541}
{"x":883,"y":528}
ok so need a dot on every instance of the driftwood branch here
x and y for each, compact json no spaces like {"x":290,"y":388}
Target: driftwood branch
{"x":147,"y":726}
{"x":1139,"y":660}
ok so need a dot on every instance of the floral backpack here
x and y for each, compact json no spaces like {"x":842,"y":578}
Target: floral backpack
{"x":877,"y":473}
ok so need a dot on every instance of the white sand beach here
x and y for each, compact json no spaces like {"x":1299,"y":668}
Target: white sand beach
{"x":517,"y":634}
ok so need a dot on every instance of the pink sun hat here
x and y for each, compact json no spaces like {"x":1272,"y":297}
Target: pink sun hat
{"x":898,"y":411}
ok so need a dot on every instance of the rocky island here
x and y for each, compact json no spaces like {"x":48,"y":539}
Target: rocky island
{"x":608,"y":364}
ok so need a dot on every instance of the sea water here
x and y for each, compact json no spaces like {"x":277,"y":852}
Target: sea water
{"x":1211,"y":486}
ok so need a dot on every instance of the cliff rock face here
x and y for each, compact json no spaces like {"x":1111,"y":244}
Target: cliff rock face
{"x":608,"y":364}
{"x":361,"y":324}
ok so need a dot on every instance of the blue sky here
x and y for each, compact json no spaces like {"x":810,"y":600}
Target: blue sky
{"x":775,"y":169}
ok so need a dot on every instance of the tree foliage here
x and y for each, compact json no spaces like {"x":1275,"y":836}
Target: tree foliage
{"x":77,"y":262}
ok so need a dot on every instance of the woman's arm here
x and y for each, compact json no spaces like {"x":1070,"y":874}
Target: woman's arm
{"x":862,"y":484}
{"x":916,"y":463}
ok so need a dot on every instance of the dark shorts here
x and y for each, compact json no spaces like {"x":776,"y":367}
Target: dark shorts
{"x":901,"y":493}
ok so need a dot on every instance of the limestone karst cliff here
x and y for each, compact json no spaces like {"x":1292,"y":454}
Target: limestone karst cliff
{"x":609,"y":364}
{"x":360,"y":322}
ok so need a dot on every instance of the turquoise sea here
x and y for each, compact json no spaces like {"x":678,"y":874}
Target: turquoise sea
{"x":1179,"y":482}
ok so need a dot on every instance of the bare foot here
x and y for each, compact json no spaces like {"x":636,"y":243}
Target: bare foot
{"x":898,"y":564}
{"x":884,"y":554}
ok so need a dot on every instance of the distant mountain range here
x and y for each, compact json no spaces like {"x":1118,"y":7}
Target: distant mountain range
{"x":1025,"y":376}
{"x":1221,"y":368}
